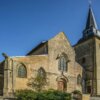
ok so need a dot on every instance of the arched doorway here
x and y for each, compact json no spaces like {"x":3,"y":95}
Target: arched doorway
{"x":62,"y":83}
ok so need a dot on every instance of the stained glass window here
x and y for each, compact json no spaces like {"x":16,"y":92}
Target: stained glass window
{"x":22,"y":72}
{"x":62,"y":64}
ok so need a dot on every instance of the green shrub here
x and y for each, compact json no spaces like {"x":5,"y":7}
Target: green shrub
{"x":54,"y":95}
{"x":26,"y":95}
{"x":77,"y":95}
{"x":76,"y":92}
{"x":43,"y":95}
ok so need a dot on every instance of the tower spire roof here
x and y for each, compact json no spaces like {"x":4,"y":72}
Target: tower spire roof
{"x":91,"y":28}
{"x":91,"y":22}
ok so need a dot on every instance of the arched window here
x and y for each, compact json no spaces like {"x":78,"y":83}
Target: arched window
{"x":22,"y":72}
{"x":83,"y":60}
{"x":79,"y":80}
{"x":62,"y":64}
{"x":41,"y":72}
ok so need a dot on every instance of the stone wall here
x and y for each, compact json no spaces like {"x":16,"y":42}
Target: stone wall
{"x":90,"y":50}
{"x":85,"y":56}
{"x":32,"y":63}
{"x":97,"y":73}
{"x":56,"y":46}
{"x":85,"y":97}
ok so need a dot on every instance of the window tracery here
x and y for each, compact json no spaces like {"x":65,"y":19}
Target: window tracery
{"x":22,"y":72}
{"x":63,"y":62}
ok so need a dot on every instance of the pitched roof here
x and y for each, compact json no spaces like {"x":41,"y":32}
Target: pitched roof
{"x":37,"y":47}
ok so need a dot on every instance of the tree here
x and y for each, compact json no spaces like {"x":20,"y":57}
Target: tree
{"x":39,"y":82}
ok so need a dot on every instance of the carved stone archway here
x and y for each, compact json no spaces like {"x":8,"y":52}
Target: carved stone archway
{"x":62,"y":83}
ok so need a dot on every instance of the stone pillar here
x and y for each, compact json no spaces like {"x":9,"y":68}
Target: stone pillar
{"x":7,"y":91}
{"x":13,"y":75}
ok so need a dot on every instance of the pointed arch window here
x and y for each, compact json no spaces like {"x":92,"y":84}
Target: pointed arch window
{"x":83,"y":60}
{"x":41,"y":72}
{"x":22,"y":72}
{"x":63,"y":63}
{"x":79,"y":80}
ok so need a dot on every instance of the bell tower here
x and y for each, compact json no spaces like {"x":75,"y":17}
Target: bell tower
{"x":88,"y":55}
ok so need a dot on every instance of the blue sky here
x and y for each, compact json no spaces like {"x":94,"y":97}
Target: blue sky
{"x":25,"y":23}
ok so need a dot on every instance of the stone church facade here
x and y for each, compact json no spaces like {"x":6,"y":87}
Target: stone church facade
{"x":66,"y":67}
{"x":55,"y":58}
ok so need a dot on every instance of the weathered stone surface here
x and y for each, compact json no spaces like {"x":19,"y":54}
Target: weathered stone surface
{"x":90,"y":50}
{"x":56,"y":46}
{"x":85,"y":97}
{"x":97,"y":60}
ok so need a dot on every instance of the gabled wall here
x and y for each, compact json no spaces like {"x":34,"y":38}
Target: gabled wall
{"x":56,"y":46}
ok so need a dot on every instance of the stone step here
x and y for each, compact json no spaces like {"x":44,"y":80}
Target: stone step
{"x":1,"y":97}
{"x":95,"y":98}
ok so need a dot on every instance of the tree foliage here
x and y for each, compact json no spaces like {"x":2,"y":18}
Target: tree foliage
{"x":37,"y":83}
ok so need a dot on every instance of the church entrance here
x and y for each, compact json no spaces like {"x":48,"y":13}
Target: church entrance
{"x":88,"y":86}
{"x":62,"y":85}
{"x":88,"y":89}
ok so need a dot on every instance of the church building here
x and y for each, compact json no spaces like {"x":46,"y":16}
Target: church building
{"x":54,"y":58}
{"x":67,"y":68}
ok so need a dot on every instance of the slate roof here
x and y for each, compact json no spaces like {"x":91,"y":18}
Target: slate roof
{"x":91,"y":20}
{"x":37,"y":47}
